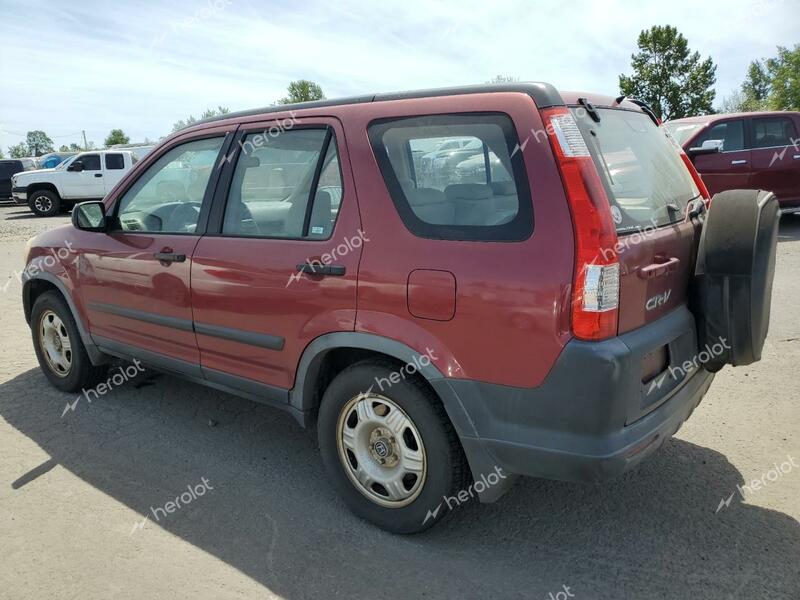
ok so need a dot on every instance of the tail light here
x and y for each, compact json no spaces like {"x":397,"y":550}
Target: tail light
{"x":595,"y":288}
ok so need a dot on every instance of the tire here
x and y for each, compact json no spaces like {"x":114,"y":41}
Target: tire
{"x":68,"y":369}
{"x":732,"y":288}
{"x":44,"y":203}
{"x":427,"y":435}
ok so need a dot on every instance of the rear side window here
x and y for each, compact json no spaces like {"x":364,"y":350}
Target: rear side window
{"x":115,"y":161}
{"x":285,"y":186}
{"x":646,"y":180}
{"x":730,"y":133}
{"x":773,"y":131}
{"x":455,"y":177}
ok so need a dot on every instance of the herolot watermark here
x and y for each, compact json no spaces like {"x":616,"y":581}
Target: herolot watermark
{"x":255,"y":141}
{"x":408,"y":369}
{"x":121,"y":376}
{"x":193,"y":493}
{"x":770,"y":476}
{"x":688,"y":366}
{"x":479,"y":486}
{"x":319,"y":265}
{"x":41,"y":264}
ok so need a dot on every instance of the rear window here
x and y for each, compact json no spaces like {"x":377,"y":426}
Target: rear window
{"x":646,"y":180}
{"x":455,"y":177}
{"x":770,"y":132}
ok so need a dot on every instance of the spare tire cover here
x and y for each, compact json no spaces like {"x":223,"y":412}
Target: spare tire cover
{"x":732,"y":287}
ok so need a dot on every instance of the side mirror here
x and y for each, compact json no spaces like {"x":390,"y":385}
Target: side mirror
{"x":707,"y":147}
{"x":76,"y":166}
{"x":89,"y":216}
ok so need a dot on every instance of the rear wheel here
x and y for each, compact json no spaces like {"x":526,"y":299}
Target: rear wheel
{"x":44,"y":203}
{"x":59,"y":349}
{"x":392,"y":454}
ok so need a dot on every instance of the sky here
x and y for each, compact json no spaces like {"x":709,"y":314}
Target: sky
{"x":66,"y":67}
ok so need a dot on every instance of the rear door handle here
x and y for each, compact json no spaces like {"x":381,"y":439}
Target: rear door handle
{"x":738,"y":162}
{"x":660,"y":268}
{"x":169,"y":257}
{"x":98,"y":174}
{"x":320,"y":269}
{"x":796,"y":157}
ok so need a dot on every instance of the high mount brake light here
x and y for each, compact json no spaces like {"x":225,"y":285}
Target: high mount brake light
{"x":595,"y":287}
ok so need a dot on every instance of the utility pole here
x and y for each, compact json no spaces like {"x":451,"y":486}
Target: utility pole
{"x":85,"y":145}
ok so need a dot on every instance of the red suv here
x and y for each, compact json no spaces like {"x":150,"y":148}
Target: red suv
{"x":759,"y":150}
{"x":550,"y":298}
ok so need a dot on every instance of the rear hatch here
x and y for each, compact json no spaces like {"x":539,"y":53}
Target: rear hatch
{"x":649,"y":188}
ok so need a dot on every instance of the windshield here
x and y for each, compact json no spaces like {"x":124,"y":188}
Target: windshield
{"x":683,"y":131}
{"x":63,"y":165}
{"x":647,"y":182}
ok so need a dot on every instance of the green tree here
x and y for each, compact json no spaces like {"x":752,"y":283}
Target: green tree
{"x":784,"y":79}
{"x":116,"y":136}
{"x":18,"y":150}
{"x":207,"y":114}
{"x":2,"y":156}
{"x":63,"y":148}
{"x":674,"y":81}
{"x":734,"y":103}
{"x":302,"y":90}
{"x":38,"y":143}
{"x":756,"y":87}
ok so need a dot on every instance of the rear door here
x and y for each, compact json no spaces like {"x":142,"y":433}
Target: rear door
{"x":115,"y":168}
{"x":7,"y":169}
{"x":134,"y":279}
{"x":776,"y":157}
{"x":286,"y":204}
{"x":731,"y":168}
{"x":649,"y":188}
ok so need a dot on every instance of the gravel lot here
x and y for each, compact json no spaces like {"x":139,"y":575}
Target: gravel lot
{"x":74,"y":488}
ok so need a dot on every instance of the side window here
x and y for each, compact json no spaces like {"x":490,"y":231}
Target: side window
{"x":115,"y":161}
{"x":773,"y":131}
{"x":731,"y":133}
{"x":475,"y":189}
{"x":168,"y":196}
{"x":91,"y":162}
{"x":272,"y":185}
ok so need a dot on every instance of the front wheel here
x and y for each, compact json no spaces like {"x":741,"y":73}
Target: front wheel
{"x":59,"y":349}
{"x":391,"y":453}
{"x":44,"y":203}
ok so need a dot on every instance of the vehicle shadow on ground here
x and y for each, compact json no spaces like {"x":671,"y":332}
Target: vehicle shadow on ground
{"x":272,"y":515}
{"x":789,"y":230}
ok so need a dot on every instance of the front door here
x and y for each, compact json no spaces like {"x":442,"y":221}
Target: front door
{"x":87,"y":183}
{"x":729,"y":169}
{"x":135,"y":279}
{"x":281,"y":268}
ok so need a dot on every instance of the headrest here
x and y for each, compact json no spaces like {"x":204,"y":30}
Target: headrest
{"x":503,"y":188}
{"x":423,"y":196}
{"x":468,"y":191}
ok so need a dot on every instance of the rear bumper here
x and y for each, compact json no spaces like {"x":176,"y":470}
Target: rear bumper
{"x":593,"y":418}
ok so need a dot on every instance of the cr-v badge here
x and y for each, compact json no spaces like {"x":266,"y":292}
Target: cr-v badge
{"x":658,"y":300}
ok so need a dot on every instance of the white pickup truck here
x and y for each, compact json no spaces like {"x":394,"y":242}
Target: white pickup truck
{"x":85,"y":176}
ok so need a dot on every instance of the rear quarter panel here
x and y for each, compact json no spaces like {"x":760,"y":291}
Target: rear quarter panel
{"x":511,"y":315}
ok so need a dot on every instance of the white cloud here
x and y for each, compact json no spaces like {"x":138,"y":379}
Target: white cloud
{"x":95,"y":66}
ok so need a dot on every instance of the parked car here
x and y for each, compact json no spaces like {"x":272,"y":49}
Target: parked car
{"x":10,"y":167}
{"x":53,"y":159}
{"x":442,"y":341}
{"x":89,"y":175}
{"x":759,"y":150}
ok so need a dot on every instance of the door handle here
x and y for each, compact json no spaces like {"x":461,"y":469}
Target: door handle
{"x":660,"y":268}
{"x":738,"y":162}
{"x":312,"y":269}
{"x":98,"y":174}
{"x":169,"y":257}
{"x":796,"y":157}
